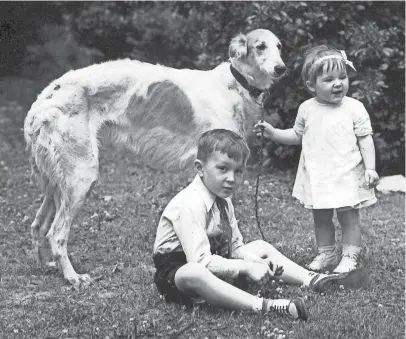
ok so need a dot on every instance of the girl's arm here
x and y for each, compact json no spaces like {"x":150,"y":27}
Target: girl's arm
{"x":367,"y":149}
{"x":283,"y":136}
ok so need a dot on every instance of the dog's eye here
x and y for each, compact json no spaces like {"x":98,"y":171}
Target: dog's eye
{"x":261,"y":46}
{"x":279,"y":45}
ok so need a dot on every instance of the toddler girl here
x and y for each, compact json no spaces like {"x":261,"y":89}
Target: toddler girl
{"x":337,"y":165}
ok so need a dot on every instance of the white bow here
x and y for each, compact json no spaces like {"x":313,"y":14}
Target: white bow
{"x":347,"y":62}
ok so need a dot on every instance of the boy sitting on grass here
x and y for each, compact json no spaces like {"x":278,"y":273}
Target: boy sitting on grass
{"x":199,"y":247}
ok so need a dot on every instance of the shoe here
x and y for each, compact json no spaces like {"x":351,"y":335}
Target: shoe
{"x":323,"y":260}
{"x":348,"y":263}
{"x":321,"y":282}
{"x":295,"y":308}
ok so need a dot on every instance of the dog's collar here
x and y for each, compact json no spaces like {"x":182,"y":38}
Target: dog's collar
{"x":253,"y":91}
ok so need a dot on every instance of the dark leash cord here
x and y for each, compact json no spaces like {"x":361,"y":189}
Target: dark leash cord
{"x":280,"y":86}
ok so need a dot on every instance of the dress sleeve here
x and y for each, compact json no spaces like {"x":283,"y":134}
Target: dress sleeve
{"x":362,"y":122}
{"x":299,"y":125}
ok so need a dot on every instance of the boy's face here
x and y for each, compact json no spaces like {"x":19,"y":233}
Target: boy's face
{"x":330,"y":87}
{"x":220,"y":174}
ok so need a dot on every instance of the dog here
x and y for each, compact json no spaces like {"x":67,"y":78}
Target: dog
{"x":157,"y":112}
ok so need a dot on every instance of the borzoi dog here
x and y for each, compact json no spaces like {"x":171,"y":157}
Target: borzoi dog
{"x":158,"y":112}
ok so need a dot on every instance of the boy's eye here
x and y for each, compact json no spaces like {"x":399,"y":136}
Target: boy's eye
{"x":222,"y":168}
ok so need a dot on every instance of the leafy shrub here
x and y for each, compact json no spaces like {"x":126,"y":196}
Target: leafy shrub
{"x":197,"y":34}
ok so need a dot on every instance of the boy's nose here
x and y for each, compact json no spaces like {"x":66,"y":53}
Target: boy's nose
{"x":231,"y":176}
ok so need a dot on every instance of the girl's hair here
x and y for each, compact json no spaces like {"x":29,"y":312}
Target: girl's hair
{"x":313,"y":66}
{"x":223,"y":141}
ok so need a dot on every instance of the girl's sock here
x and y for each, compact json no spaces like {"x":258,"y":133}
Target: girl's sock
{"x":351,"y":250}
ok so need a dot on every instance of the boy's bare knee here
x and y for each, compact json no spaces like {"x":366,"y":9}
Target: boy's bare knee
{"x":190,"y":276}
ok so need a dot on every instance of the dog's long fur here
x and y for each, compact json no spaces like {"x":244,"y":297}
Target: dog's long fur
{"x":156,"y":111}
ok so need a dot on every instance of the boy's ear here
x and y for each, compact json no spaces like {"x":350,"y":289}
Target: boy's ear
{"x":238,"y":47}
{"x":199,"y":167}
{"x":310,"y":86}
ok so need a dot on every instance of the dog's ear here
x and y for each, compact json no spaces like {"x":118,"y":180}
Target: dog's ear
{"x":238,"y":47}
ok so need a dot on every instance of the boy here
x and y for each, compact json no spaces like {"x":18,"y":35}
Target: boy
{"x":199,"y":246}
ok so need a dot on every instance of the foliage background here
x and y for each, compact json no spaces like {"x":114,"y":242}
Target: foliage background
{"x":42,"y":40}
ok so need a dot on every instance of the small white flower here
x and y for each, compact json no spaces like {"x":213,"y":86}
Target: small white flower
{"x":15,"y":330}
{"x":341,"y":287}
{"x":64,"y":331}
{"x":380,"y":305}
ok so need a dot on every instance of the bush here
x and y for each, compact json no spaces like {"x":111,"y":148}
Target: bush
{"x":197,"y":34}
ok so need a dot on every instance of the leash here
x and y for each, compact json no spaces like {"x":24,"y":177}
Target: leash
{"x":286,"y":80}
{"x":259,"y":165}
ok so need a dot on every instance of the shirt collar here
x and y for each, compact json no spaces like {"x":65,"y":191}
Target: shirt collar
{"x":207,"y":196}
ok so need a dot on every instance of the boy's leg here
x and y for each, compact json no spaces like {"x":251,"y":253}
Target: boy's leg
{"x":325,"y":239}
{"x":292,"y":272}
{"x":351,"y":239}
{"x":194,"y":279}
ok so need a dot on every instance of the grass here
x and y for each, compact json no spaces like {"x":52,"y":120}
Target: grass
{"x":114,"y":235}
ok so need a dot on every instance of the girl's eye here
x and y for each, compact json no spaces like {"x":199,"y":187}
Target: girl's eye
{"x":222,"y":169}
{"x":261,"y":46}
{"x":344,"y":76}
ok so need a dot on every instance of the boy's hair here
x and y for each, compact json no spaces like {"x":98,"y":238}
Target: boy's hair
{"x":312,"y":67}
{"x":223,"y":141}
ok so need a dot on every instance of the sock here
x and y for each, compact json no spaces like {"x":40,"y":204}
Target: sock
{"x":351,"y":249}
{"x":258,"y":305}
{"x":328,"y":248}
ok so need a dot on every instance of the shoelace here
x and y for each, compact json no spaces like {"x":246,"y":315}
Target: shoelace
{"x":282,"y":309}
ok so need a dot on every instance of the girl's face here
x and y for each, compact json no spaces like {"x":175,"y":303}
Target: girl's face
{"x":330,"y":87}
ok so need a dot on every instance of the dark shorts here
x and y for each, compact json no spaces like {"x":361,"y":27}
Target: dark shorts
{"x":166,"y":267}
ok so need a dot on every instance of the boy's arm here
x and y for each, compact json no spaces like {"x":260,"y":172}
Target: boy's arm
{"x":190,"y":227}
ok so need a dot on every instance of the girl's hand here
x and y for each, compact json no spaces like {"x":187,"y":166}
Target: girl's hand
{"x":371,"y":178}
{"x":267,"y":128}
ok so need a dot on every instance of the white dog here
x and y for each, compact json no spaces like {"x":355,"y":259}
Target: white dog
{"x":156,"y":111}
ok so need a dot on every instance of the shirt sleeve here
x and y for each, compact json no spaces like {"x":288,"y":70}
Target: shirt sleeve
{"x":299,"y":125}
{"x":190,"y":227}
{"x":362,"y":122}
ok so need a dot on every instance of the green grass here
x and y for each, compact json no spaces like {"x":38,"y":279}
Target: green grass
{"x":117,"y":243}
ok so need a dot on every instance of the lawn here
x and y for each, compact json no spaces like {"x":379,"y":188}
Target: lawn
{"x":113,"y":237}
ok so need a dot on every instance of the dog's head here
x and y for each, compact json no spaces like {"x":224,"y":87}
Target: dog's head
{"x":257,"y":57}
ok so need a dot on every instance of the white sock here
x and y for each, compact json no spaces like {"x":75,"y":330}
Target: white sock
{"x":351,"y":249}
{"x":257,"y":305}
{"x":328,"y":248}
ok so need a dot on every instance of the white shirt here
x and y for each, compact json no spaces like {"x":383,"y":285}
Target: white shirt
{"x":190,"y":222}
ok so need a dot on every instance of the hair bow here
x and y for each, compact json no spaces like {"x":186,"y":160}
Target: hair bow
{"x":347,"y":62}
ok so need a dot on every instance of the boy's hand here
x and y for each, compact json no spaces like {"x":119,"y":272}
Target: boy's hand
{"x":267,"y":128}
{"x":371,"y":178}
{"x":259,"y":273}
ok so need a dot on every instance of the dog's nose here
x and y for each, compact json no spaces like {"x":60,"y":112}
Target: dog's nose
{"x":280,"y":69}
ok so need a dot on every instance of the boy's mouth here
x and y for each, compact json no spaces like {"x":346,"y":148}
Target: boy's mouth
{"x":337,"y":91}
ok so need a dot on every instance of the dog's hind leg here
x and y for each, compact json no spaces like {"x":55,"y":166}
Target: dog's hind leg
{"x":70,"y":202}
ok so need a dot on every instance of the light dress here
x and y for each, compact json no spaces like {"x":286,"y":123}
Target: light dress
{"x":331,"y":169}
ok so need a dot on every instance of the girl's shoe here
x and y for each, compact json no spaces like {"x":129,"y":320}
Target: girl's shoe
{"x":294,"y":308}
{"x":323,"y":260}
{"x":348,"y":263}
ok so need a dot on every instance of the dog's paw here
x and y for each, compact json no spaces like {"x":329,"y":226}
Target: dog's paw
{"x":80,"y":280}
